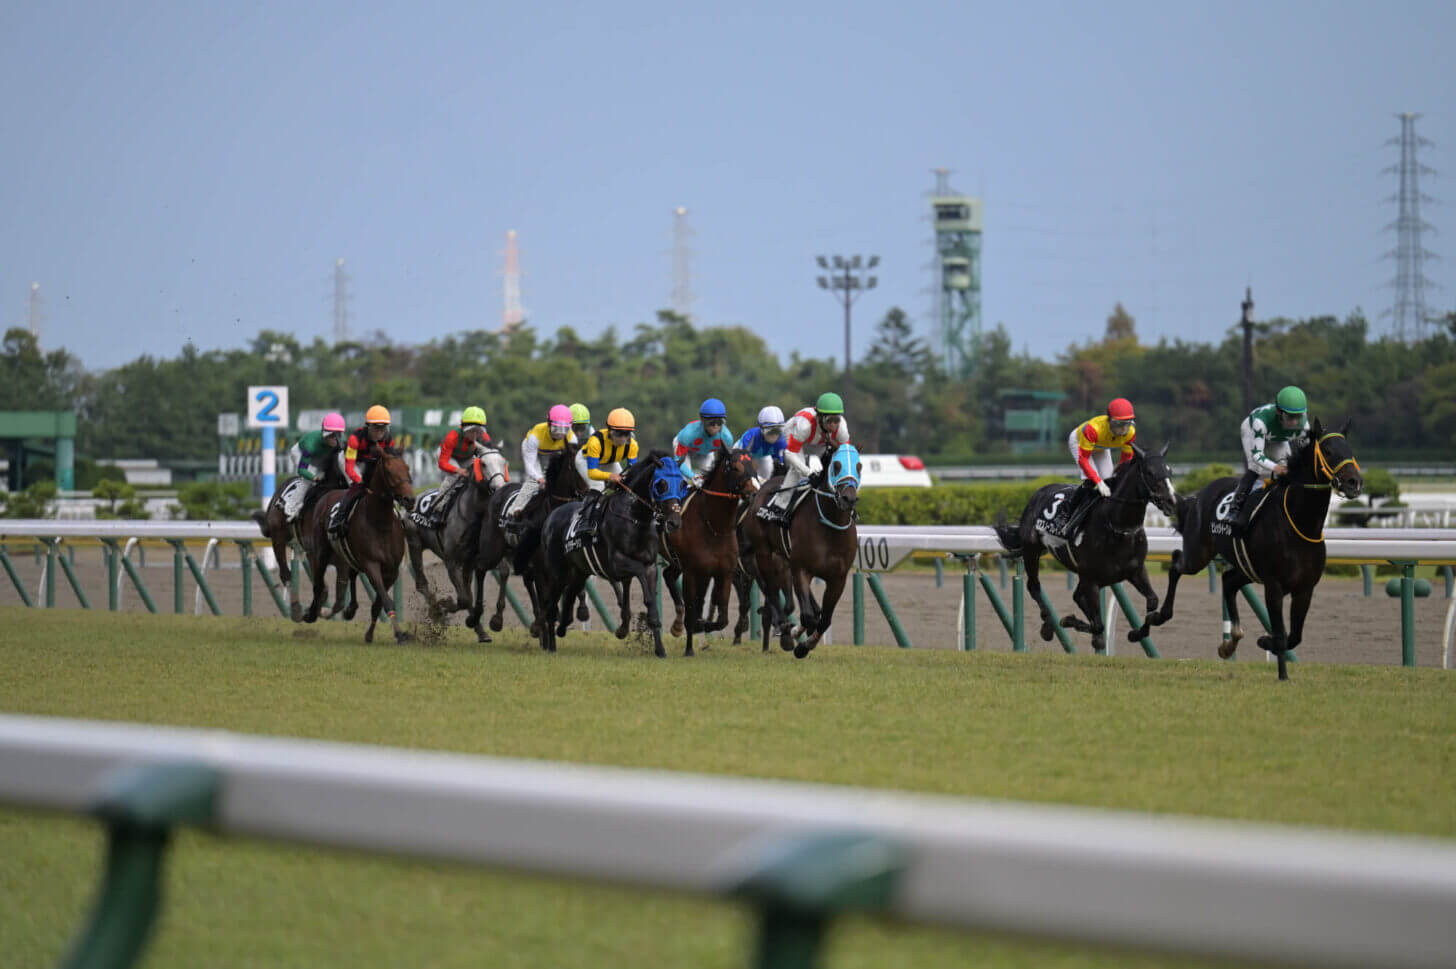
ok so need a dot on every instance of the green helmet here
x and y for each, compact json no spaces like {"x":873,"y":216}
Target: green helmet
{"x":579,"y":414}
{"x":1291,"y":401}
{"x":829,"y":404}
{"x":473,"y":415}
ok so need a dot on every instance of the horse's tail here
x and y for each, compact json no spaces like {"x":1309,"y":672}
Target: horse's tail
{"x":1008,"y":535}
{"x":261,"y":518}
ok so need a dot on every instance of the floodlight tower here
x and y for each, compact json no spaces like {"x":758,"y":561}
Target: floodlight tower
{"x":957,"y":221}
{"x":846,"y":284}
{"x":513,"y":315}
{"x":341,"y":303}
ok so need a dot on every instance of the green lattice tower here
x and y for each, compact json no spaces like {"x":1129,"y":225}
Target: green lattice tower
{"x":957,"y":222}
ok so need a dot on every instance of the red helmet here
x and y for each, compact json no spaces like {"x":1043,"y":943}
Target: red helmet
{"x":1120,"y":409}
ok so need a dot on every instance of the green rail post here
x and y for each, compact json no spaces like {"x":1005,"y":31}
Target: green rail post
{"x":1071,"y":581}
{"x":274,"y":589}
{"x":177,"y":566}
{"x":516,"y":606}
{"x":968,"y":603}
{"x":66,"y":567}
{"x":755,"y":603}
{"x":857,"y":595}
{"x":50,"y":573}
{"x":1212,"y":579}
{"x":1368,"y":574}
{"x":996,"y":602}
{"x":901,"y":640}
{"x":1257,"y":605}
{"x":1407,"y":613}
{"x":131,"y":573}
{"x":244,"y":554}
{"x":113,"y":572}
{"x":1018,"y":610}
{"x":799,"y":883}
{"x":197,"y":575}
{"x":939,"y":573}
{"x":140,"y":806}
{"x":1450,"y":575}
{"x":1125,"y":601}
{"x":1001,"y":565}
{"x":1062,"y":636}
{"x":14,"y":579}
{"x":596,"y":598}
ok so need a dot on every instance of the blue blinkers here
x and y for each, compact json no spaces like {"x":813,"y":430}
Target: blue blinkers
{"x":844,"y":466}
{"x":667,"y":482}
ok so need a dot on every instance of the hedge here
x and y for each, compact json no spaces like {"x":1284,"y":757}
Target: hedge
{"x":957,"y":504}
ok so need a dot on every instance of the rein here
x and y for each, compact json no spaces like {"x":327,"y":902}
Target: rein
{"x":1322,"y":466}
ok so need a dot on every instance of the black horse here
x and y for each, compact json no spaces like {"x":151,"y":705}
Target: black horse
{"x":1284,"y":546}
{"x":1108,"y":546}
{"x":556,"y":561}
{"x":563,"y":484}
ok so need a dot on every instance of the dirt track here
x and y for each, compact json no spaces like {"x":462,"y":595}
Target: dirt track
{"x":1344,"y":626}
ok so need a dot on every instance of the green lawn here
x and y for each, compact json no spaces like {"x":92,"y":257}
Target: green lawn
{"x":1357,"y":747}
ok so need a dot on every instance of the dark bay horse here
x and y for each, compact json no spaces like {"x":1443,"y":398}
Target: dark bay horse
{"x":454,"y":540}
{"x":821,"y":541}
{"x":1108,"y":546}
{"x":625,"y":547}
{"x":1284,"y":547}
{"x":563,"y":484}
{"x":705,"y":549}
{"x":281,"y":533}
{"x":372,"y":542}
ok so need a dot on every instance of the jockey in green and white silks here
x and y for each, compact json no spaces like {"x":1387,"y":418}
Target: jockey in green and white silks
{"x":316,"y":456}
{"x":1272,"y":435}
{"x":814,"y":427}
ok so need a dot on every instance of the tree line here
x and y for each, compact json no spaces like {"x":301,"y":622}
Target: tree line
{"x":1402,"y":396}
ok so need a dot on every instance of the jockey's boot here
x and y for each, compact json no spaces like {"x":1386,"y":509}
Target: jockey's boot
{"x":773,"y":513}
{"x":1239,"y":514}
{"x":1078,"y":506}
{"x":336,"y":526}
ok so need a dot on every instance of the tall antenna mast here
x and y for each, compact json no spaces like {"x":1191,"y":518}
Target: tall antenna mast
{"x":1409,"y":314}
{"x":682,"y":270}
{"x":513,"y":315}
{"x":36,"y":311}
{"x":341,"y":303}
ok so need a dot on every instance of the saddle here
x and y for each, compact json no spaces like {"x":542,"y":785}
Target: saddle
{"x":581,"y":535}
{"x":423,"y":513}
{"x":1056,"y":520}
{"x":1224,"y":515}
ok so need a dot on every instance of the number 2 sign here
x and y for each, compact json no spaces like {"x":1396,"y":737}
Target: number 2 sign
{"x":268,"y":407}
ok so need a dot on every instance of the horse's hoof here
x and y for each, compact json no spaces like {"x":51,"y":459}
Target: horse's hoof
{"x":1268,"y":644}
{"x":737,"y":639}
{"x":1068,"y":622}
{"x":481,"y":636}
{"x":677,"y":628}
{"x":1226,"y":649}
{"x":622,"y":631}
{"x":472,"y":622}
{"x":369,"y":635}
{"x":659,"y":652}
{"x":496,"y":622}
{"x":802,"y":650}
{"x":295,"y":612}
{"x":787,"y":642}
{"x":1137,"y":635}
{"x":1047,"y":632}
{"x":403,"y":637}
{"x":582,"y":612}
{"x":561,"y":629}
{"x":689,"y":652}
{"x":536,"y":629}
{"x":310,"y":616}
{"x":349,"y":612}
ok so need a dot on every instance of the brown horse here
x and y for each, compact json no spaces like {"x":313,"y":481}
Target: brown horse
{"x":705,"y":548}
{"x":281,"y":533}
{"x":822,"y":542}
{"x":372,"y":543}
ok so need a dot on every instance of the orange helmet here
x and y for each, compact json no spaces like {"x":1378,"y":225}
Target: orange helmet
{"x":1120,"y":409}
{"x":378,"y":414}
{"x":621,"y":419}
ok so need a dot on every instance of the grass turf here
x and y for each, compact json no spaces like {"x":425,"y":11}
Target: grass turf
{"x":1344,"y":746}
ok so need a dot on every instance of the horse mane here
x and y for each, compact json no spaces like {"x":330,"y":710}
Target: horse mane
{"x":557,"y":465}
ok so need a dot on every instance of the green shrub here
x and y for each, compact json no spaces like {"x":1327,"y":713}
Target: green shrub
{"x":1199,"y":478}
{"x":215,"y":500}
{"x":960,"y":504}
{"x":1380,"y":483}
{"x":114,"y":491}
{"x":34,"y":502}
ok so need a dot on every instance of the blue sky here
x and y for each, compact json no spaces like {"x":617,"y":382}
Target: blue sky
{"x":179,"y":172}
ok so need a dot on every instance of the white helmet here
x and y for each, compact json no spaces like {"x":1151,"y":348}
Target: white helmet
{"x":770,"y":416}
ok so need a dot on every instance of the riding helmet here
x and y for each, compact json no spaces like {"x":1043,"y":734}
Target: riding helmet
{"x":378,"y":414}
{"x":1120,"y":409}
{"x":1291,"y":401}
{"x":829,"y":403}
{"x":713,"y":409}
{"x":621,"y":419}
{"x":473,"y":415}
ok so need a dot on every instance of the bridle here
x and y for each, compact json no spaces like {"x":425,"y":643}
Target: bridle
{"x":1321,"y":466}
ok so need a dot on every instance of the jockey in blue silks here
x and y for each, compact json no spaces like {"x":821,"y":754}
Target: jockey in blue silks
{"x":765,"y":442}
{"x":695,"y":446}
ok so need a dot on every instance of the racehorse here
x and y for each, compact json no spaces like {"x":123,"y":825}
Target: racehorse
{"x":563,"y":484}
{"x":276,"y":529}
{"x":820,"y":541}
{"x":454,"y":539}
{"x":705,"y":549}
{"x":557,"y":561}
{"x":1284,"y":546}
{"x":372,"y":542}
{"x":1108,"y":546}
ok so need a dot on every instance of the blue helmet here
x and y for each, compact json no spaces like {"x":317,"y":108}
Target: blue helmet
{"x":713,"y":408}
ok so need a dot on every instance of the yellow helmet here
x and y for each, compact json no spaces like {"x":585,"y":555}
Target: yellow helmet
{"x":473,"y":415}
{"x":378,"y":414}
{"x":621,"y":420}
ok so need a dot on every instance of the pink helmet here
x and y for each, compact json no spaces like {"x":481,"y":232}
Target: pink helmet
{"x":333,"y":421}
{"x":560,"y":414}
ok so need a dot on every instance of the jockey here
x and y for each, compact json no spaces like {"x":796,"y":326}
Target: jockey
{"x":581,"y":425}
{"x":822,"y":425}
{"x":1091,"y":444}
{"x":456,"y":452}
{"x":765,"y":441}
{"x":1272,"y":435}
{"x":358,"y":455}
{"x":694,"y":446}
{"x":315,"y":456}
{"x":552,"y":434}
{"x":608,"y":452}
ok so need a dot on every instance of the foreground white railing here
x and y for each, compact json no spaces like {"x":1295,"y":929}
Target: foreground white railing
{"x":800,"y":852}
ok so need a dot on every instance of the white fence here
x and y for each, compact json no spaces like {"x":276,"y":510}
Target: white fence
{"x":1244,"y":891}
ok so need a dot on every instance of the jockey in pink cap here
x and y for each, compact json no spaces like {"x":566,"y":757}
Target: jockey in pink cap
{"x":316,"y":457}
{"x":552,"y":434}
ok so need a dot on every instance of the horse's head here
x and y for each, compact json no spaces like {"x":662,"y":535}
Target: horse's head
{"x":562,"y":481}
{"x":489,"y":471}
{"x":842,"y":469}
{"x":1155,"y":479}
{"x":736,"y":469}
{"x":667,"y":490}
{"x":392,"y":478}
{"x":1334,"y":460}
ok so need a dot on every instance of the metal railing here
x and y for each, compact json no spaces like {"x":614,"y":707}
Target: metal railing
{"x":800,"y":854}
